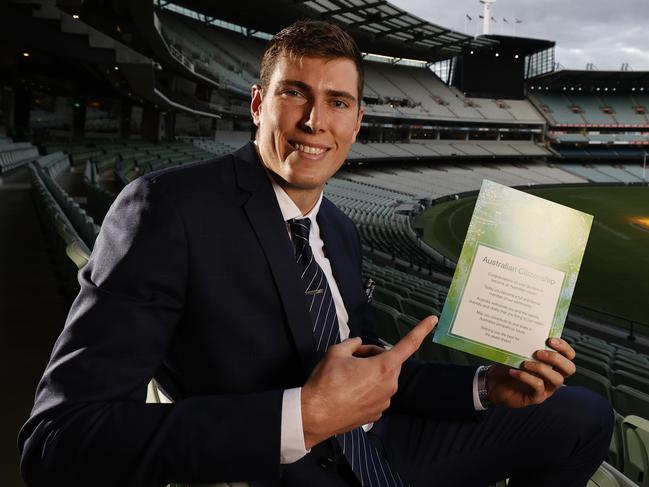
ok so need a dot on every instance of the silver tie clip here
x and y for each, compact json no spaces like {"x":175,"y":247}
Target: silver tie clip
{"x":313,"y":292}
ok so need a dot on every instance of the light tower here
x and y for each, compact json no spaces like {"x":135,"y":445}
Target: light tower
{"x":486,"y":16}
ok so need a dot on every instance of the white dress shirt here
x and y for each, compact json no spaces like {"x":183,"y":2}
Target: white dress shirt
{"x":292,"y":446}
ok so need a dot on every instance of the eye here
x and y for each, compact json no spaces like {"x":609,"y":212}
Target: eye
{"x":292,"y":93}
{"x":339,"y":103}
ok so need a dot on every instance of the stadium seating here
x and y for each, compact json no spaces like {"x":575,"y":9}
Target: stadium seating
{"x":13,"y":155}
{"x":585,"y":110}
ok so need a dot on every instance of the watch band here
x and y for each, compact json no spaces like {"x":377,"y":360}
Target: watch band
{"x":482,"y":386}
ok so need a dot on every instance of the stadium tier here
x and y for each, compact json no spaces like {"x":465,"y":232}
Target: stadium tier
{"x":390,"y":90}
{"x":587,"y":110}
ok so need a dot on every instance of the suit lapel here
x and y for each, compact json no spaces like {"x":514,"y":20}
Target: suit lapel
{"x":266,"y":220}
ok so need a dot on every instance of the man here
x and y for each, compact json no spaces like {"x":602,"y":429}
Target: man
{"x":209,"y":278}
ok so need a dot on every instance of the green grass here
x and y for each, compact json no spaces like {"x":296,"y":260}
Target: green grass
{"x":614,"y":274}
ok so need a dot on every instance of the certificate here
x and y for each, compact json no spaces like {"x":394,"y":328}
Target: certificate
{"x":515,"y":276}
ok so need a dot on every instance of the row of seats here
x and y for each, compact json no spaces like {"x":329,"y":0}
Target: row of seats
{"x":562,"y":109}
{"x":606,"y":173}
{"x":13,"y":155}
{"x":69,"y":250}
{"x":426,"y":181}
{"x":54,"y":164}
{"x":447,"y":148}
{"x":599,"y":138}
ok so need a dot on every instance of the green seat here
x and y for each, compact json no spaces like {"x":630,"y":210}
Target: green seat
{"x":635,"y":431}
{"x":642,"y":371}
{"x":401,"y":290}
{"x":580,"y":348}
{"x":592,"y":364}
{"x":424,"y":296}
{"x":567,"y":332}
{"x":388,"y":297}
{"x":627,"y":401}
{"x":622,"y":377}
{"x":591,"y":380}
{"x":417,"y":309}
{"x":608,"y":476}
{"x":385,"y":322}
{"x":602,"y":478}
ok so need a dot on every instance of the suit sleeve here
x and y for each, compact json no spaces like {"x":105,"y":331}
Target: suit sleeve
{"x":90,"y":424}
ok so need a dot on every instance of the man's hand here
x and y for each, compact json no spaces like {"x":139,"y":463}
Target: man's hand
{"x":536,"y":381}
{"x":353,"y":383}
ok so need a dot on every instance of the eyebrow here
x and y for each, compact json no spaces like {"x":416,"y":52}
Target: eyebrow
{"x":286,"y":83}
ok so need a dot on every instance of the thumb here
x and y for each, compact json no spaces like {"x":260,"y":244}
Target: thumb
{"x":346,"y":348}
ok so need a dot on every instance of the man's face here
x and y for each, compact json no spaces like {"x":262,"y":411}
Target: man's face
{"x":307,"y":119}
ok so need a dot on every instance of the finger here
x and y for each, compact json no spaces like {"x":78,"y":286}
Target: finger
{"x":552,"y":379}
{"x":411,"y":342}
{"x":563,"y":347}
{"x":536,"y":384}
{"x":559,"y":362}
{"x":346,"y":348}
{"x":369,"y":351}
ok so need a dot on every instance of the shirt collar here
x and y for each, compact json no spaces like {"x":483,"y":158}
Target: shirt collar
{"x":288,"y":208}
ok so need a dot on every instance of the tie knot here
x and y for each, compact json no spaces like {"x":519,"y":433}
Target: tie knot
{"x":300,"y":228}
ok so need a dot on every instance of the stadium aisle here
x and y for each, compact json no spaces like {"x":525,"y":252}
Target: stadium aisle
{"x":32,"y":312}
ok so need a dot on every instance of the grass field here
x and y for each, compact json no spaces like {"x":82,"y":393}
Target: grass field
{"x":614,"y":274}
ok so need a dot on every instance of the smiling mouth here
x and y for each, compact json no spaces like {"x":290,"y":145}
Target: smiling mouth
{"x":309,"y":149}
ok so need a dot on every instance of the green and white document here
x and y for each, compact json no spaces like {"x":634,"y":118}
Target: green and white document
{"x":515,"y":276}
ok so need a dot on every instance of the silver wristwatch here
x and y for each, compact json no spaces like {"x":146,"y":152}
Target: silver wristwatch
{"x":482,"y":386}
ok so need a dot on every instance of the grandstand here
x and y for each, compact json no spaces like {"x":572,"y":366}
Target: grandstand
{"x":593,"y":114}
{"x":121,"y":90}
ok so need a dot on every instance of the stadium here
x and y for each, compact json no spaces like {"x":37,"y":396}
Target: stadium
{"x":94,"y":94}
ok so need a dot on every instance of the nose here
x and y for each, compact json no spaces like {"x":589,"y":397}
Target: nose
{"x":314,"y":117}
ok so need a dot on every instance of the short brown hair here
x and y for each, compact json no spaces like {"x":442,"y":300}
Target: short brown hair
{"x":311,"y":38}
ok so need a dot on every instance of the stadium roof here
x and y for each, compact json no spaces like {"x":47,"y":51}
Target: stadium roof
{"x":378,"y":26}
{"x":523,"y":45}
{"x":591,"y":79}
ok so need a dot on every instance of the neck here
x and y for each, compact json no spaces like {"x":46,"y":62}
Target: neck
{"x":304,"y":199}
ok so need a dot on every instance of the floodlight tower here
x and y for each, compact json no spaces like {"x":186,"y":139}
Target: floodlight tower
{"x":486,"y":15}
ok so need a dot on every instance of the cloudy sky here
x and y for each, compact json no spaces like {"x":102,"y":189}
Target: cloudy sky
{"x":605,"y":33}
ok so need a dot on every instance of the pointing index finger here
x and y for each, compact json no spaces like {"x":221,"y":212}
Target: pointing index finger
{"x":411,"y":342}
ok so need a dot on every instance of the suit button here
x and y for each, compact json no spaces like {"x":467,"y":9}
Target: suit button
{"x":326,"y":462}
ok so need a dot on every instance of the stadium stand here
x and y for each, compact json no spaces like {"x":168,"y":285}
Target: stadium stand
{"x":13,"y":155}
{"x":436,"y":142}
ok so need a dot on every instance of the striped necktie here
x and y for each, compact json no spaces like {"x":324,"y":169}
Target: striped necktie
{"x":369,"y":466}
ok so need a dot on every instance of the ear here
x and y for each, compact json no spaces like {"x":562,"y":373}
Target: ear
{"x":361,"y":112}
{"x":255,"y":104}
